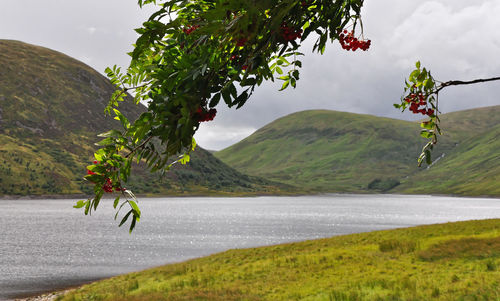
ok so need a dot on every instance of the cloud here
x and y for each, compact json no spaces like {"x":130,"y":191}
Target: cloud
{"x":91,"y":30}
{"x":456,"y":39}
{"x":212,"y":136}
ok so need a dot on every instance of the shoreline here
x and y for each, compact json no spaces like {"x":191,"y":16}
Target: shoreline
{"x":51,"y":293}
{"x":227,"y":195}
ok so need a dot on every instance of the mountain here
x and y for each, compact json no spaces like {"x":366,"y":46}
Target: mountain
{"x":472,"y":167}
{"x":331,"y":151}
{"x":51,"y":110}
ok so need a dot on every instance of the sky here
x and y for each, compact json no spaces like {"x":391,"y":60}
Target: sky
{"x":455,"y":39}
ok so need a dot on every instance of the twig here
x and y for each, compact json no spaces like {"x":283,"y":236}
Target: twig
{"x":459,"y":82}
{"x":139,"y":146}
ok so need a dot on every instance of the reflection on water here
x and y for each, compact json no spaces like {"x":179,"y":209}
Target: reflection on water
{"x":46,"y":244}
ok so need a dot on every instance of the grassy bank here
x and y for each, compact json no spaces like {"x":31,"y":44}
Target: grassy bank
{"x":453,"y":261}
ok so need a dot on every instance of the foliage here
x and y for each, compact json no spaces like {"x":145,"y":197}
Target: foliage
{"x":191,"y":55}
{"x":50,"y":116}
{"x":421,"y":95}
{"x":381,"y":265}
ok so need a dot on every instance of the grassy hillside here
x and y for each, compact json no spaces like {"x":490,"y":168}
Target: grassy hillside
{"x":472,"y":168}
{"x":51,"y":109}
{"x":329,"y":151}
{"x":345,"y":152}
{"x":453,"y":261}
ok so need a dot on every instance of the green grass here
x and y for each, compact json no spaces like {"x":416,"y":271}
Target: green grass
{"x":343,"y":152}
{"x":453,"y":261}
{"x":328,"y":151}
{"x":473,"y":168}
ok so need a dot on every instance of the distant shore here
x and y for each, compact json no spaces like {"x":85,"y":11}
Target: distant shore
{"x":246,"y":194}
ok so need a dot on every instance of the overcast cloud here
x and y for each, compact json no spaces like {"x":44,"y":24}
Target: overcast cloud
{"x":456,"y":39}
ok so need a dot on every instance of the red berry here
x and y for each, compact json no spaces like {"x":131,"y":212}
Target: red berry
{"x":241,"y":42}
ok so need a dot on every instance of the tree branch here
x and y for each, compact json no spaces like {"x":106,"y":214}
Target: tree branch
{"x":139,"y":146}
{"x":459,"y":82}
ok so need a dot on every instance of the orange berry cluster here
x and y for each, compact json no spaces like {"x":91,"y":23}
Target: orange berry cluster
{"x":349,"y":42}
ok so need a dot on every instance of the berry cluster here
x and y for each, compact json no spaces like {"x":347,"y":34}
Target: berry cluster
{"x":203,"y":115}
{"x":241,"y":42}
{"x":190,"y":29}
{"x":90,"y":172}
{"x":416,"y":101}
{"x":289,"y":33}
{"x":235,"y":59}
{"x":108,"y":185}
{"x":349,"y":42}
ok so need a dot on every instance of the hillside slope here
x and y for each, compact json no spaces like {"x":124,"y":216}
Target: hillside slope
{"x":343,"y":152}
{"x":472,"y":168}
{"x":51,"y":109}
{"x":329,"y":151}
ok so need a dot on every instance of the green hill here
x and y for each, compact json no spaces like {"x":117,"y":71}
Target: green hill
{"x":51,"y":109}
{"x":343,"y":152}
{"x":329,"y":151}
{"x":453,"y":261}
{"x":472,"y":168}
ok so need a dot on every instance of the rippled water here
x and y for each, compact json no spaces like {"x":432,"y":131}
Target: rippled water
{"x":46,"y":244}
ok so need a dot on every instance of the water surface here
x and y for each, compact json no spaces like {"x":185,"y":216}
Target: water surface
{"x":46,"y":244}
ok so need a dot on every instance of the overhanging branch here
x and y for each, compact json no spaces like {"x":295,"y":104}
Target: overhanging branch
{"x":459,"y":82}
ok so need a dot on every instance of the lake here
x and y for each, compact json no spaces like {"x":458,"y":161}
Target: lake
{"x":47,"y":244}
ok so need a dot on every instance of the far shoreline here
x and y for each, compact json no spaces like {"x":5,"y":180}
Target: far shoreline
{"x":234,"y":195}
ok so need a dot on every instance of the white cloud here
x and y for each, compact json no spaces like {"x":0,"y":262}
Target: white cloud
{"x":91,"y":30}
{"x":456,"y":39}
{"x":215,"y":137}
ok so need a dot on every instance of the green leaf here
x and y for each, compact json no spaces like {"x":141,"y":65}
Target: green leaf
{"x":215,"y":100}
{"x":123,"y":119}
{"x":106,"y":141}
{"x":94,"y":178}
{"x":227,"y":97}
{"x":80,"y":204}
{"x":426,"y":134}
{"x":87,"y":207}
{"x":184,"y":159}
{"x":417,"y":64}
{"x":428,"y":157}
{"x":427,"y":125}
{"x":429,"y":83}
{"x":285,"y":85}
{"x":132,"y":224}
{"x":135,"y":208}
{"x":115,"y":203}
{"x":124,"y":219}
